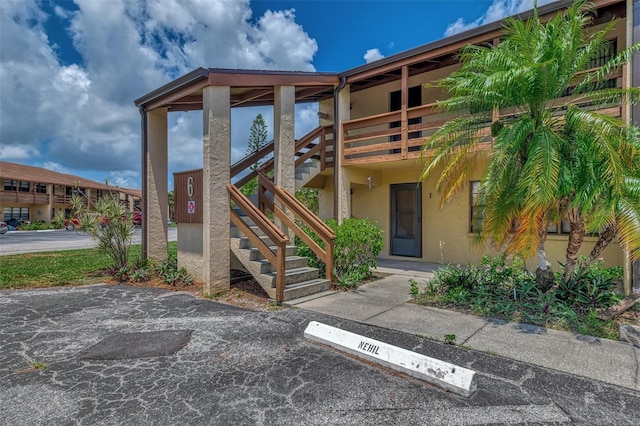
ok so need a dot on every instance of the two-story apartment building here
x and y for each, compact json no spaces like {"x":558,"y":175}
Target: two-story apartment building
{"x":35,"y":194}
{"x":364,"y":158}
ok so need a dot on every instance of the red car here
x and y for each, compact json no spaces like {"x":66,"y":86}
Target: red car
{"x":71,"y":224}
{"x":137,"y":218}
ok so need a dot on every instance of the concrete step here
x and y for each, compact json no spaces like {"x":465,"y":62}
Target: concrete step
{"x":306,"y":288}
{"x":245,"y":243}
{"x":291,"y":262}
{"x":236,"y":233}
{"x":305,"y":172}
{"x":292,"y":276}
{"x":254,"y":253}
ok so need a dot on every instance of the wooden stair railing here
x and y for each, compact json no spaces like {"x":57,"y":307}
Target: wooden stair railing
{"x":282,"y":199}
{"x":277,"y":237}
{"x":314,"y":149}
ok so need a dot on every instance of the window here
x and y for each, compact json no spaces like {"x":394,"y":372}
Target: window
{"x":41,"y":188}
{"x":69,"y":190}
{"x":14,"y":185}
{"x":21,"y":213}
{"x":475,"y":222}
{"x":10,"y":185}
{"x":605,"y":55}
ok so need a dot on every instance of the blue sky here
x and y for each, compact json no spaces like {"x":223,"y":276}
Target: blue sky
{"x":71,"y":68}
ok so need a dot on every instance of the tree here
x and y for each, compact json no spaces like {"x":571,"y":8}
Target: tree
{"x":553,"y":155}
{"x":257,"y":139}
{"x":171,"y":201}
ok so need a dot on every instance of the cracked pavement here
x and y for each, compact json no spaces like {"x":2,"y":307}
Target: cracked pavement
{"x":228,"y":365}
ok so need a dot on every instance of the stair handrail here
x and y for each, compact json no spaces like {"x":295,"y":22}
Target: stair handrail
{"x":247,"y":161}
{"x":304,"y":142}
{"x":276,"y":236}
{"x":302,"y":213}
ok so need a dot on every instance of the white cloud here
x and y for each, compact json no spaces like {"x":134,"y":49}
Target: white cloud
{"x":498,"y":10}
{"x":51,"y":165}
{"x":372,"y":55}
{"x":123,"y":179}
{"x":81,"y":116}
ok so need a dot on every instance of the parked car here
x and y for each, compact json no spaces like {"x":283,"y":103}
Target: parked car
{"x":13,"y":224}
{"x":137,"y":218}
{"x":3,"y":227}
{"x":71,"y":224}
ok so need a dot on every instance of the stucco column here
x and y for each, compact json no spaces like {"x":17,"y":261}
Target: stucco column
{"x":344,"y":184}
{"x":157,"y":183}
{"x":284,"y":173}
{"x":631,"y":78}
{"x":216,"y":153}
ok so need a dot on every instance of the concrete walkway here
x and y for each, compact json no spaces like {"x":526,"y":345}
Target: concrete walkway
{"x":387,"y":303}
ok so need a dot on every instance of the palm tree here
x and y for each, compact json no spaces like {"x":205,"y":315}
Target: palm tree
{"x":553,"y":155}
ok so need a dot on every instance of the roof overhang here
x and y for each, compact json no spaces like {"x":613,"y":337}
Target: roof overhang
{"x":444,"y":52}
{"x":248,"y":88}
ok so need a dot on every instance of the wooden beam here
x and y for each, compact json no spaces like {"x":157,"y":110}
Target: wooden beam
{"x":172,"y":97}
{"x":247,"y":79}
{"x":251,"y":95}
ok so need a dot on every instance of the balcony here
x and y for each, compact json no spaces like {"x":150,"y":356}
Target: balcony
{"x":400,"y":135}
{"x":23,"y":197}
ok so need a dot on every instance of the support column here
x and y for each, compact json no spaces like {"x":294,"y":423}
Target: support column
{"x":344,"y":183}
{"x":284,"y":172}
{"x":216,"y":153}
{"x":156,"y":190}
{"x":632,"y":277}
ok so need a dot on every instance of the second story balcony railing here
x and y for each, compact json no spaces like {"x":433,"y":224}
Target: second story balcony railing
{"x":23,"y":197}
{"x":401,"y":135}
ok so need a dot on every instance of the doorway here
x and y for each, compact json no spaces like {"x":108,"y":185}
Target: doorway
{"x":406,"y":219}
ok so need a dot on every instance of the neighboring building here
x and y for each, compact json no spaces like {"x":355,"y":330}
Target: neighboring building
{"x":35,"y":194}
{"x":380,"y":115}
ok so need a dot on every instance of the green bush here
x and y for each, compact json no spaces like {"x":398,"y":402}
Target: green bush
{"x":36,"y":226}
{"x":507,"y":290}
{"x":358,"y":242}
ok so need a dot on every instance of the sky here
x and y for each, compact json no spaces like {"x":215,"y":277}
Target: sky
{"x":70,"y":69}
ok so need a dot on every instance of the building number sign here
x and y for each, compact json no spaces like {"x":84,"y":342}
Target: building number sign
{"x":191,"y":204}
{"x":190,"y":186}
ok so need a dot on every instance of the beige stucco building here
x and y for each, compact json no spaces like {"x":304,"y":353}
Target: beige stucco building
{"x":373,"y":121}
{"x":35,"y":194}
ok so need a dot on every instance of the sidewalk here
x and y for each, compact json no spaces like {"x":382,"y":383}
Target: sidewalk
{"x":386,"y":303}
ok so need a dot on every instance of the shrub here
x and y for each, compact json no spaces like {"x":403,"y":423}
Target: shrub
{"x":169,"y":272}
{"x":507,"y":290}
{"x":110,"y":225}
{"x":358,"y":242}
{"x":36,"y":226}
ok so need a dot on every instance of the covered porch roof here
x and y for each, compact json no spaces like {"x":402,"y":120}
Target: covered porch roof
{"x":248,"y":88}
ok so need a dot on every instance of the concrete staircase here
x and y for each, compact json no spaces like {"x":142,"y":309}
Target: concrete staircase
{"x":305,"y":172}
{"x":300,"y":280}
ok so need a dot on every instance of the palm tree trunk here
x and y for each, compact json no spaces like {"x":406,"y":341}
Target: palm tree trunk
{"x":577,"y":231}
{"x":544,"y":274}
{"x":606,"y":237}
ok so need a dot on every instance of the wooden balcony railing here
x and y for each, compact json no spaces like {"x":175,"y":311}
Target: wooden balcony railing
{"x":23,"y":197}
{"x":387,"y":137}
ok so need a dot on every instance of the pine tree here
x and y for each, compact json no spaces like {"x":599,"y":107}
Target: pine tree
{"x":257,"y":139}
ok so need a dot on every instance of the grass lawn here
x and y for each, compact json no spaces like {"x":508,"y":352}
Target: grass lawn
{"x":57,"y":268}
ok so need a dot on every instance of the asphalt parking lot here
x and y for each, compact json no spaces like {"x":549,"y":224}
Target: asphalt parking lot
{"x":123,"y":355}
{"x":20,"y":242}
